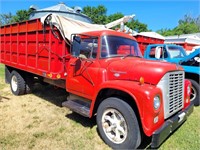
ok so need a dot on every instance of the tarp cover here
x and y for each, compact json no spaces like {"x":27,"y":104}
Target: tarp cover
{"x":68,"y":26}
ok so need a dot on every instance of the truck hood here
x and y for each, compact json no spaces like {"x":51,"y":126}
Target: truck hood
{"x":191,"y":59}
{"x":191,"y":63}
{"x":174,"y":60}
{"x":134,"y":68}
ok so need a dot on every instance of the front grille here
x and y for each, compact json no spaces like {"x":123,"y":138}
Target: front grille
{"x":175,"y":88}
{"x":172,"y":86}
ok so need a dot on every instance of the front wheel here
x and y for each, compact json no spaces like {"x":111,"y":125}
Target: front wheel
{"x":118,"y":125}
{"x":195,"y":91}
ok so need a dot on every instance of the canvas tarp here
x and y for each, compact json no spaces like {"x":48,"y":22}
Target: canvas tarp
{"x":68,"y":26}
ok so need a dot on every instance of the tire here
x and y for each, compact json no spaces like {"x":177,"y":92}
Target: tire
{"x":195,"y":99}
{"x":7,"y":75}
{"x":17,"y":83}
{"x":117,"y":124}
{"x":29,"y":84}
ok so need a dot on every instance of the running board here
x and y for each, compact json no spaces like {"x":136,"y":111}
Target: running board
{"x":78,"y":106}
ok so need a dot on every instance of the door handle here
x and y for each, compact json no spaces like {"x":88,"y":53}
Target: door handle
{"x":72,"y":64}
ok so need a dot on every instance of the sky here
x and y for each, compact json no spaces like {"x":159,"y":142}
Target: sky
{"x":157,"y":14}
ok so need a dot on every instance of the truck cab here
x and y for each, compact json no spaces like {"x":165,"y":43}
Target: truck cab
{"x":108,"y":77}
{"x":93,"y":53}
{"x":169,"y":53}
{"x":177,"y":54}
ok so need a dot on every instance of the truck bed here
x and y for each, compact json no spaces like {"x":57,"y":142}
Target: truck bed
{"x":30,"y":47}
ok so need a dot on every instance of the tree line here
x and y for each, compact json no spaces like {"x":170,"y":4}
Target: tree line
{"x":8,"y":18}
{"x":186,"y":25}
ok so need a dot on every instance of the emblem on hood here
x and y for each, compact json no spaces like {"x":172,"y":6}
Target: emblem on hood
{"x":116,"y":74}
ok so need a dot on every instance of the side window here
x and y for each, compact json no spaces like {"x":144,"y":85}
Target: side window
{"x":165,"y":55}
{"x":94,"y":48}
{"x":152,"y":52}
{"x":88,"y":48}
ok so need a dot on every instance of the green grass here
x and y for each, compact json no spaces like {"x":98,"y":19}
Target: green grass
{"x":2,"y":72}
{"x":187,"y":136}
{"x":36,"y":121}
{"x":11,"y":140}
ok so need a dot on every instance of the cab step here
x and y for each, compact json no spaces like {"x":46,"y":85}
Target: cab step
{"x":78,"y":106}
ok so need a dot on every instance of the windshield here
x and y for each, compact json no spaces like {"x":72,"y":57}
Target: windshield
{"x":114,"y":46}
{"x":176,"y":52}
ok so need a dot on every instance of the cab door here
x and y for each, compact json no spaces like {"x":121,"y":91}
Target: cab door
{"x":83,"y":70}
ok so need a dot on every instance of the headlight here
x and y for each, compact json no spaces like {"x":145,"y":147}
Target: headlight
{"x":156,"y":102}
{"x":188,"y":90}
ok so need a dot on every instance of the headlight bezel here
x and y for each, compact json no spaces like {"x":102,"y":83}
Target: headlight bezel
{"x":156,"y":102}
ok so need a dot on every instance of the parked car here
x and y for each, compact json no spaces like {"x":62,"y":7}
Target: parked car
{"x":176,"y":54}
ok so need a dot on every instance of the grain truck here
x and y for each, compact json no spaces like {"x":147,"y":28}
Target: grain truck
{"x":105,"y":75}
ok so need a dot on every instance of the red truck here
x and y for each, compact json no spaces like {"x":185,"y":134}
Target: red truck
{"x":105,"y":75}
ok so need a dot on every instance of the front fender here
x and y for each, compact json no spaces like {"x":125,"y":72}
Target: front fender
{"x":143,"y":96}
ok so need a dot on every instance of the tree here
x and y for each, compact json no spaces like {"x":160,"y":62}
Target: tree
{"x":21,"y":15}
{"x":5,"y":19}
{"x":186,"y":28}
{"x":191,"y":24}
{"x":165,"y":32}
{"x":138,"y":26}
{"x":114,"y":17}
{"x":133,"y":24}
{"x":187,"y":25}
{"x":97,"y":14}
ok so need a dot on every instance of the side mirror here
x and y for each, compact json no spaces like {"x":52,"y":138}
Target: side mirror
{"x":76,"y":45}
{"x":157,"y":52}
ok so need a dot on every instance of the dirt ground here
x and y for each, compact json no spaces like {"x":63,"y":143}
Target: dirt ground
{"x":37,"y":121}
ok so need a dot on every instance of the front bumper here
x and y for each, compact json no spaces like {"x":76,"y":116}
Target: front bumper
{"x":169,"y":126}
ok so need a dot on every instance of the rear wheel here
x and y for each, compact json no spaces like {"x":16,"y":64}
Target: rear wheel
{"x":7,"y":74}
{"x":194,"y":97}
{"x":118,"y":125}
{"x":29,"y":84}
{"x":17,"y":83}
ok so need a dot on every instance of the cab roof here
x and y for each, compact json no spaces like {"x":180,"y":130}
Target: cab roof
{"x":99,"y":33}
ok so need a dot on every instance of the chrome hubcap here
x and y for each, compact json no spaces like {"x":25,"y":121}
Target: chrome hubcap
{"x":14,"y":83}
{"x":114,"y":126}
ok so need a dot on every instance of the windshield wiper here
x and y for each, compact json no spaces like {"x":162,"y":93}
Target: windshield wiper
{"x":130,"y":55}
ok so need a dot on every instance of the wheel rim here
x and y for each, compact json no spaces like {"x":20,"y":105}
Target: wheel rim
{"x":114,"y":126}
{"x":193,"y":93}
{"x":14,"y":83}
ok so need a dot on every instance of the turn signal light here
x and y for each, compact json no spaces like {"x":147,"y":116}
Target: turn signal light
{"x":141,"y":80}
{"x":58,"y":76}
